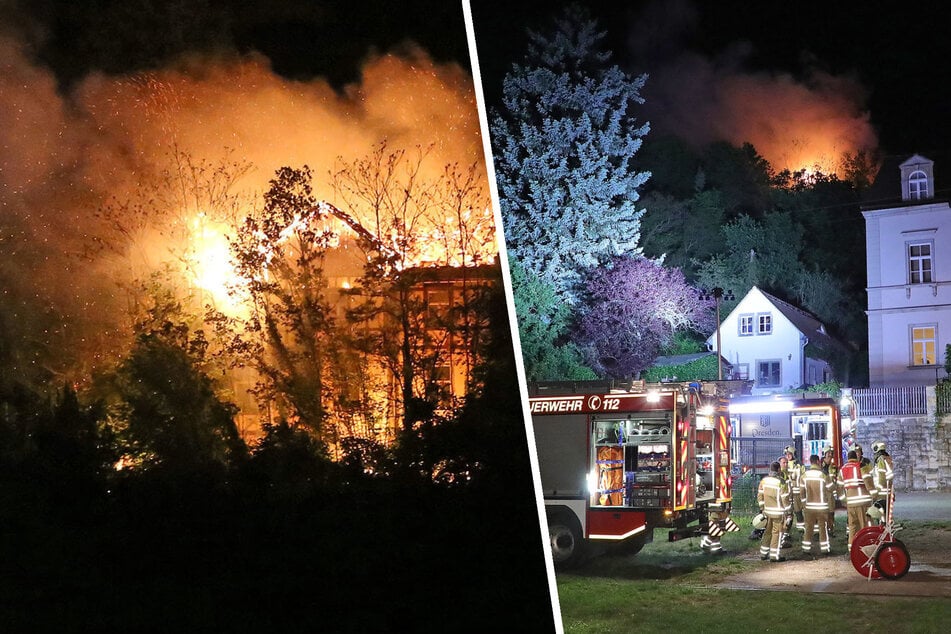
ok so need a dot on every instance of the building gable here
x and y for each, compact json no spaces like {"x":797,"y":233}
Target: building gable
{"x":764,"y":339}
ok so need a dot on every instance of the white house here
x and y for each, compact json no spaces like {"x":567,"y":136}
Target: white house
{"x":764,"y":339}
{"x":908,"y":247}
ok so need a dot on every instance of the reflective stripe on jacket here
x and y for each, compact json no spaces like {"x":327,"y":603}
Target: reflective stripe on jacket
{"x":857,"y":484}
{"x":816,"y":489}
{"x":773,"y":496}
{"x":883,"y":474}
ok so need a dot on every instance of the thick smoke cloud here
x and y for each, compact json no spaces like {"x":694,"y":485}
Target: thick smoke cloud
{"x":793,"y":121}
{"x":65,"y":156}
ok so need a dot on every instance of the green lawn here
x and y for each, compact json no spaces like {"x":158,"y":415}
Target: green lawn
{"x":667,"y":587}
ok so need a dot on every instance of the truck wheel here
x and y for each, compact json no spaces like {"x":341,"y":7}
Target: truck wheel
{"x":567,"y":543}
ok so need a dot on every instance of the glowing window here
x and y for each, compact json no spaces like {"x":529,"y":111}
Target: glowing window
{"x":917,"y":185}
{"x":919,"y":263}
{"x":923,"y":345}
{"x":437,"y":302}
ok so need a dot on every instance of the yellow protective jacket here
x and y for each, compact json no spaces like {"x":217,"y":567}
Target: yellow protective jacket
{"x":772,"y":495}
{"x":882,"y":475}
{"x":817,"y":489}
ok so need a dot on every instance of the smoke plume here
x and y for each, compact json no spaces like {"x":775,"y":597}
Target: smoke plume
{"x":802,"y":121}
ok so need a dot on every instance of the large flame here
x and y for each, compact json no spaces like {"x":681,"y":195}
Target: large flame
{"x":209,"y":267}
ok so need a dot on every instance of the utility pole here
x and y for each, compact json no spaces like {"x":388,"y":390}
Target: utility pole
{"x":717,"y":294}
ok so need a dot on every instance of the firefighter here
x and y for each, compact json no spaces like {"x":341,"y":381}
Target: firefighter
{"x":883,"y":474}
{"x":816,"y":490}
{"x":794,"y":471}
{"x":864,"y":462}
{"x":719,"y":521}
{"x":772,"y":496}
{"x":832,"y":471}
{"x":859,"y":491}
{"x":786,"y":539}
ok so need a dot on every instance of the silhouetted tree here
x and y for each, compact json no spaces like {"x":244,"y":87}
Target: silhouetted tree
{"x":408,"y":221}
{"x":173,"y":418}
{"x":289,"y":335}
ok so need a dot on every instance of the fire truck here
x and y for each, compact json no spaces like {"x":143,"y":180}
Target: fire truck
{"x":618,"y":461}
{"x":763,"y":426}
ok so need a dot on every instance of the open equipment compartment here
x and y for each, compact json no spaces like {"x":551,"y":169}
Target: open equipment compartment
{"x":633,"y":459}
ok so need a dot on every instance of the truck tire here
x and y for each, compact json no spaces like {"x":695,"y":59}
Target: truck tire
{"x":567,"y":543}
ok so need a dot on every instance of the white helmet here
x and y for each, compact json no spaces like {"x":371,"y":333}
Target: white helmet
{"x":874,"y":512}
{"x":759,"y":521}
{"x":879,"y":446}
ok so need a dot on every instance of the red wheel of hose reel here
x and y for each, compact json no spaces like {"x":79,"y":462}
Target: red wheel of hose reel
{"x":892,"y":560}
{"x":862,"y":553}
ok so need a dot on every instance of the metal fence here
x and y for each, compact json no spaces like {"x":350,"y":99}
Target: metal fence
{"x":756,"y":454}
{"x":891,"y":401}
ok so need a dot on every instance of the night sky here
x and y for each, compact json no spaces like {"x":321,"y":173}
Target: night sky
{"x":889,"y":61}
{"x":302,"y":38}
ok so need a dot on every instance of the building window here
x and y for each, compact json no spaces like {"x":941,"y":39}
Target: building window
{"x":437,"y":303}
{"x":764,"y":324}
{"x":919,"y":263}
{"x":917,"y":185}
{"x":923,"y":345}
{"x":746,"y":325}
{"x":768,"y":374}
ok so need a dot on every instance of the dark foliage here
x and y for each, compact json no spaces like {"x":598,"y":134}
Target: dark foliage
{"x":284,"y":541}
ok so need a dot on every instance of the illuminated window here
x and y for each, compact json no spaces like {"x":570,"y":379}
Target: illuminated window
{"x":919,"y":263}
{"x":437,"y":302}
{"x":442,"y":377}
{"x":746,"y":325}
{"x":917,"y":185}
{"x":764,"y":322}
{"x":768,"y":374}
{"x":923,"y":345}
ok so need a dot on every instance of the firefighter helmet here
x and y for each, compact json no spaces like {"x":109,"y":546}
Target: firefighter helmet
{"x":874,"y":512}
{"x":857,"y":447}
{"x":759,"y":521}
{"x":879,"y":446}
{"x":790,"y":449}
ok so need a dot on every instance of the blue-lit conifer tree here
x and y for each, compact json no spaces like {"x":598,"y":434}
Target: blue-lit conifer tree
{"x":564,"y":139}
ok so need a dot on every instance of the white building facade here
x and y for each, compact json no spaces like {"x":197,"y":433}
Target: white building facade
{"x":908,"y":247}
{"x":764,"y":339}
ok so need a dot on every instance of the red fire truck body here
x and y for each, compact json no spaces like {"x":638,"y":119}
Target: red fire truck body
{"x":615,"y":463}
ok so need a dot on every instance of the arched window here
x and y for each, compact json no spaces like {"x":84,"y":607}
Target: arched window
{"x":917,"y":185}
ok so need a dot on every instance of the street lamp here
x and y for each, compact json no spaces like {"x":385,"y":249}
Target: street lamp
{"x":717,"y":294}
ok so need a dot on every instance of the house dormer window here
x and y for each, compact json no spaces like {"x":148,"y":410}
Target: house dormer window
{"x":920,"y":262}
{"x":917,"y":178}
{"x":917,"y":185}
